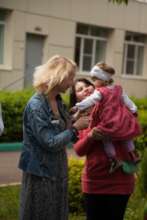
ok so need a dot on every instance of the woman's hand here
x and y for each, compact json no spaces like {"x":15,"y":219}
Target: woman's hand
{"x":79,"y":114}
{"x":76,"y":115}
{"x":82,"y":123}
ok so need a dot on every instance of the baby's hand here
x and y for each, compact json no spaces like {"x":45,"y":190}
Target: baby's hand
{"x":74,"y":109}
{"x":95,"y":134}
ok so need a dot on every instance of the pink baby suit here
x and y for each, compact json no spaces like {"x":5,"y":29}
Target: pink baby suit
{"x":112,"y":117}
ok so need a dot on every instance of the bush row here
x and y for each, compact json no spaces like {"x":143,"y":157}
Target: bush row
{"x":13,"y":104}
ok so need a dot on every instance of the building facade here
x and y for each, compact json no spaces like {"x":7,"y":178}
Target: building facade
{"x":31,"y":31}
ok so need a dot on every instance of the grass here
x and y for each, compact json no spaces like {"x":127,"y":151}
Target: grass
{"x":9,"y":197}
{"x":9,"y":205}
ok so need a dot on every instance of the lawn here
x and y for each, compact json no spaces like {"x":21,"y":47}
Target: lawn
{"x":9,"y":197}
{"x":9,"y":203}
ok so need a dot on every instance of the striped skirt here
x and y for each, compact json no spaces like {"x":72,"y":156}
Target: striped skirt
{"x":43,"y":199}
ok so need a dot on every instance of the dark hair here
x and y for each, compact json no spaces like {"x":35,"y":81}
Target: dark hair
{"x":106,"y":68}
{"x":72,"y":96}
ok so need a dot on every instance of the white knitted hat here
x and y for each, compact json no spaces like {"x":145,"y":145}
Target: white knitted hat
{"x":100,"y":74}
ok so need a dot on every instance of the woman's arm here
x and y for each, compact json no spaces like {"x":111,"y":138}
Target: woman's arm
{"x":45,"y":133}
{"x":84,"y":143}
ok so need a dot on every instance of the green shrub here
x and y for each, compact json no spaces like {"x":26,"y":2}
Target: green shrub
{"x":141,"y":141}
{"x":135,"y":206}
{"x":139,"y":198}
{"x":143,"y":174}
{"x":74,"y":184}
{"x":13,"y":104}
{"x":143,"y":182}
{"x":141,"y":103}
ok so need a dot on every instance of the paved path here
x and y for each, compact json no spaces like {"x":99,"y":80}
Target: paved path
{"x":9,"y":173}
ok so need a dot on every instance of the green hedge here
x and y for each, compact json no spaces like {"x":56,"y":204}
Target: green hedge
{"x":13,"y":104}
{"x":75,"y":196}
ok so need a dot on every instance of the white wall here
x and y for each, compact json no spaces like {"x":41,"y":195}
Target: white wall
{"x":56,"y":19}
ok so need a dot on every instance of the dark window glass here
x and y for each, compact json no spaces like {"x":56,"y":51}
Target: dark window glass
{"x":88,"y":43}
{"x":1,"y":44}
{"x":77,"y":50}
{"x":87,"y":63}
{"x":130,"y":36}
{"x":131,"y":51}
{"x":98,"y":32}
{"x":3,"y":14}
{"x":100,"y":51}
{"x":139,"y":38}
{"x":130,"y":67}
{"x":140,"y":60}
{"x":82,"y":29}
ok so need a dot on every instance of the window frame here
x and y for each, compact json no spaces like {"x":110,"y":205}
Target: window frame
{"x":141,"y":1}
{"x":3,"y":23}
{"x":137,"y":45}
{"x":94,"y":39}
{"x":8,"y":40}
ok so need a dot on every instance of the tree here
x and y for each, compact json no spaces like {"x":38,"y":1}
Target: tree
{"x":119,"y":1}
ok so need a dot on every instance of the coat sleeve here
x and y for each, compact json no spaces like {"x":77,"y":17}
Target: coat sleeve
{"x":83,"y":144}
{"x":44,"y":133}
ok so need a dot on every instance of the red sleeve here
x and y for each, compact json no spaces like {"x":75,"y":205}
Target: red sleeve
{"x":83,"y":144}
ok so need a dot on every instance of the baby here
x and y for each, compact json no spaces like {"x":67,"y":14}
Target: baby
{"x":113,"y":112}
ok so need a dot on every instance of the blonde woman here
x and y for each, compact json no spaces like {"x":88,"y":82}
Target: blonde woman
{"x":47,"y":129}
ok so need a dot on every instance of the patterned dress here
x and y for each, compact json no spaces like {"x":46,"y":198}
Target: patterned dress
{"x":112,"y":117}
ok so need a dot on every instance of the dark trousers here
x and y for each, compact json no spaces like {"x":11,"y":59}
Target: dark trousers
{"x":105,"y":207}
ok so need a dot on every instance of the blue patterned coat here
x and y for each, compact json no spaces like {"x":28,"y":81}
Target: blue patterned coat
{"x":45,"y":138}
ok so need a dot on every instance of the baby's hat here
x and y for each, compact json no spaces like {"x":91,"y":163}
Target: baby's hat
{"x":99,"y":73}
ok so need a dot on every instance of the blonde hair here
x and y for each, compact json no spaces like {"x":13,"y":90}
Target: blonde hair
{"x":52,"y":73}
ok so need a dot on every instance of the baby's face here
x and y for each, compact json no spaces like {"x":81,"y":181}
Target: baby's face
{"x":83,"y":90}
{"x":98,"y":82}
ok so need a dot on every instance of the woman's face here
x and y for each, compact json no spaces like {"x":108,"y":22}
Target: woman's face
{"x":67,"y":82}
{"x":82,"y":90}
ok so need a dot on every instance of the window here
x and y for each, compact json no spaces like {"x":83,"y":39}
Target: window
{"x":144,"y":1}
{"x":2,"y":31}
{"x":90,"y":45}
{"x":133,"y":53}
